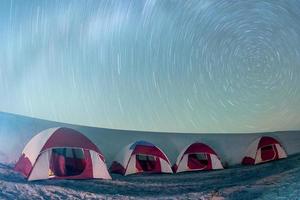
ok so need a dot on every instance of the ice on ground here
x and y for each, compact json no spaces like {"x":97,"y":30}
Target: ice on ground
{"x":275,"y":180}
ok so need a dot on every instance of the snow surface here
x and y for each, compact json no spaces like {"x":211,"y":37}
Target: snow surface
{"x":16,"y":131}
{"x":275,"y":180}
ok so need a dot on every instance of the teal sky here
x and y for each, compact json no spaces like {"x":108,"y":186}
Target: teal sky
{"x":183,"y":66}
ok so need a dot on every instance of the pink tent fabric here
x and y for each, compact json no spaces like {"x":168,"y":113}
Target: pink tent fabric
{"x":196,"y":157}
{"x":264,"y":149}
{"x":141,"y":157}
{"x":79,"y":158}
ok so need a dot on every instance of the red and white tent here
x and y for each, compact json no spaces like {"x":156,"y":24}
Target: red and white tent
{"x":141,"y":157}
{"x":196,"y":157}
{"x":262,"y":150}
{"x":61,"y":153}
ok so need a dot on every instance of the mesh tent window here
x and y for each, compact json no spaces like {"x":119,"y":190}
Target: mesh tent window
{"x":267,"y":148}
{"x":199,"y":157}
{"x":147,"y":162}
{"x":67,"y":162}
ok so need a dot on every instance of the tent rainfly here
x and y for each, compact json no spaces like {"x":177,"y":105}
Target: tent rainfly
{"x":196,"y":157}
{"x":141,"y":157}
{"x":61,"y":153}
{"x":264,"y":149}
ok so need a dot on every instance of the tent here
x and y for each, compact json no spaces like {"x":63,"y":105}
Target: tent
{"x":262,"y":150}
{"x":196,"y":157}
{"x":61,"y":153}
{"x":141,"y":157}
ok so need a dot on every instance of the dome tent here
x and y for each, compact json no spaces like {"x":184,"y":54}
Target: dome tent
{"x":140,"y":157}
{"x":195,"y":157}
{"x":264,"y":149}
{"x":61,"y":153}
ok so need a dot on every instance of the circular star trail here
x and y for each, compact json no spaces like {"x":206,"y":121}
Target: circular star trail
{"x":180,"y":66}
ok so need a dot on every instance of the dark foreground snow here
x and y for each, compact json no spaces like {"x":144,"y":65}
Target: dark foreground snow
{"x":277,"y":180}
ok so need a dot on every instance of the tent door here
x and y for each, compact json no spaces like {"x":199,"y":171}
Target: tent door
{"x":197,"y":161}
{"x":66,"y":162}
{"x":147,"y":163}
{"x":268,"y":153}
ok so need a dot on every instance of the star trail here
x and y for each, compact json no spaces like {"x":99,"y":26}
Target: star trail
{"x":181,"y":66}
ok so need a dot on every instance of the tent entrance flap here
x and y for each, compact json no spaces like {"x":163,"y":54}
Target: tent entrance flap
{"x":268,"y":153}
{"x":67,"y":162}
{"x":197,"y":160}
{"x":146,"y":162}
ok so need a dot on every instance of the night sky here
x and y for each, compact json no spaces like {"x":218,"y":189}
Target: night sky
{"x":182,"y":66}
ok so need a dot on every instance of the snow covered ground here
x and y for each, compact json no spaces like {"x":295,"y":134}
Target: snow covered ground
{"x":16,"y":131}
{"x":276,"y":180}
